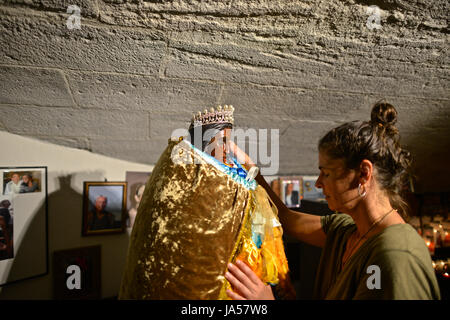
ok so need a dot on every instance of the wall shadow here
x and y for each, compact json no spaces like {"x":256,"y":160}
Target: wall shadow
{"x":429,"y":144}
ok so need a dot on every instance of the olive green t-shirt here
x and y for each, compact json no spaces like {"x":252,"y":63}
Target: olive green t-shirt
{"x":393,"y":264}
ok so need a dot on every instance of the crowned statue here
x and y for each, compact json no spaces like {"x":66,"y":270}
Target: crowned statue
{"x":200,"y":210}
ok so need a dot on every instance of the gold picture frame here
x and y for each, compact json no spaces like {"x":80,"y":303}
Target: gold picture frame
{"x":104,"y":208}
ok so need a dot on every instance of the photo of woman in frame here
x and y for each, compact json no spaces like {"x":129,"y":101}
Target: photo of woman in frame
{"x":291,"y":191}
{"x":135,"y":189}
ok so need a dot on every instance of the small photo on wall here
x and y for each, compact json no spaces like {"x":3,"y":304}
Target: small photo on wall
{"x":104,"y":207}
{"x":310,"y":192}
{"x":291,"y":191}
{"x":6,"y":228}
{"x":21,"y":182}
{"x":136,"y":182}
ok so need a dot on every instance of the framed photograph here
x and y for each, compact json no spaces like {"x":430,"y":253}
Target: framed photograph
{"x":310,"y":192}
{"x":104,"y":208}
{"x":136,"y":182}
{"x":291,"y":191}
{"x":21,"y":181}
{"x":77,"y":273}
{"x":23,"y":223}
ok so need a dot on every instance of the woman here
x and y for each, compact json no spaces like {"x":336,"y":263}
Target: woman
{"x":369,"y":252}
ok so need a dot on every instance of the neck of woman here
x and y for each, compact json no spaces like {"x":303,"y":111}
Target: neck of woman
{"x":374,"y":214}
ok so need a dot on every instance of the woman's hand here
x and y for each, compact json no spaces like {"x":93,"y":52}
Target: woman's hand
{"x":246,"y":283}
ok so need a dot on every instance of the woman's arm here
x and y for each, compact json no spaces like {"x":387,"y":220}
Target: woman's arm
{"x":302,"y":226}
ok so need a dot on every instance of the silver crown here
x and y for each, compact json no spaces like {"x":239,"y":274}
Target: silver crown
{"x":218,"y":115}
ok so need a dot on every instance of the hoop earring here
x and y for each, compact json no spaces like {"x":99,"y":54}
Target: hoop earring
{"x":359,"y":191}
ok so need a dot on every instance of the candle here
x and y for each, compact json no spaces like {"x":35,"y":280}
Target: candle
{"x":430,"y":246}
{"x":435,"y":237}
{"x":446,"y":239}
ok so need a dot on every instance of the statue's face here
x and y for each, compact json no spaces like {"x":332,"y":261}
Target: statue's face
{"x":218,"y":145}
{"x":226,"y":133}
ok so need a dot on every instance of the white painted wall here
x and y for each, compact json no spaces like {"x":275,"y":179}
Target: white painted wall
{"x":65,"y":207}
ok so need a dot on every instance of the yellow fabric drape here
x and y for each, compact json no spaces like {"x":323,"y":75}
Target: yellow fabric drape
{"x":269,"y":261}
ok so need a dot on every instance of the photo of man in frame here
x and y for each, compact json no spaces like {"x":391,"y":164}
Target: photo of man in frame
{"x":104,"y":207}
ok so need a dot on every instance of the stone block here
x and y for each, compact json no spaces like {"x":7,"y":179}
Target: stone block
{"x":64,"y":122}
{"x":46,"y":41}
{"x":384,"y":77}
{"x":24,"y":85}
{"x":71,"y":142}
{"x":146,"y":152}
{"x":88,"y":8}
{"x":135,"y":92}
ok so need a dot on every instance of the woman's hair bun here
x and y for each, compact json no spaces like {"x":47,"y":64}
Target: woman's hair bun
{"x":383,"y":114}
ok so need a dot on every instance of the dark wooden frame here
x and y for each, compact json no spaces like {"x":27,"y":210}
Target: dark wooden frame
{"x":87,"y":185}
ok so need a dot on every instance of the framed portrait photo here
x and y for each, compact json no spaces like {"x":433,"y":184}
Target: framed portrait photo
{"x":310,"y":192}
{"x":104,"y":208}
{"x":23,"y":223}
{"x":22,"y":181}
{"x":136,"y":181}
{"x":291,"y":191}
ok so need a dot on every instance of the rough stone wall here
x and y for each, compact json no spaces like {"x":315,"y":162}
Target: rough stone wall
{"x":137,"y":69}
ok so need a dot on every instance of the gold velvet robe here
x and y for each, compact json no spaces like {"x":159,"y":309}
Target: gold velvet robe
{"x":193,"y":219}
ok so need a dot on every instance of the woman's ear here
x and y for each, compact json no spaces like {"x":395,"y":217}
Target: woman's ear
{"x":366,"y":171}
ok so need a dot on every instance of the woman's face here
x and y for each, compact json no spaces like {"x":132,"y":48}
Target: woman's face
{"x":337,"y":183}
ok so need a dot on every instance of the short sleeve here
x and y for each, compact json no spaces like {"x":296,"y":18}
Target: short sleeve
{"x":336,"y":226}
{"x":335,"y":221}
